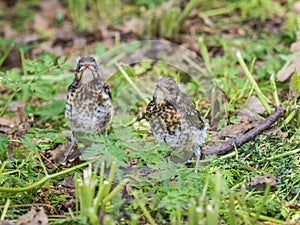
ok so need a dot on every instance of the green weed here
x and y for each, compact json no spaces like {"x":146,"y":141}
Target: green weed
{"x":173,"y":193}
{"x":166,"y":19}
{"x":85,"y":13}
{"x":42,"y":80}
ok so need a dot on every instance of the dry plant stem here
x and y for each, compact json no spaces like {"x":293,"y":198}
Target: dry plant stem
{"x":250,"y":135}
{"x":193,"y":64}
{"x":130,"y":81}
{"x":204,"y":53}
{"x":5,"y":209}
{"x":274,"y":90}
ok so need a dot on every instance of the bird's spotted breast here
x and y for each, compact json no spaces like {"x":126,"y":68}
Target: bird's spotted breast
{"x":89,"y":106}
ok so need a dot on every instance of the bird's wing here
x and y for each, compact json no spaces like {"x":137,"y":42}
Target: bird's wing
{"x":196,"y":120}
{"x":190,"y":113}
{"x":107,"y":89}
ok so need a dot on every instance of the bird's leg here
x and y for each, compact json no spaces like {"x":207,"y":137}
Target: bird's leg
{"x":197,"y":150}
{"x":104,"y":133}
{"x":73,"y":142}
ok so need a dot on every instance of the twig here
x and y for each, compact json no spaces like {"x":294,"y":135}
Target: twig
{"x":250,"y":135}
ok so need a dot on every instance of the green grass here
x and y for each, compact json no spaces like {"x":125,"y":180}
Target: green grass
{"x":219,"y":193}
{"x":175,"y":194}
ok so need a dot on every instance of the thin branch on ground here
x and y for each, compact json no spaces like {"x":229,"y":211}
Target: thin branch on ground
{"x":227,"y":146}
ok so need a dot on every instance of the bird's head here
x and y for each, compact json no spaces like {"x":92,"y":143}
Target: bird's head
{"x":87,"y":70}
{"x":166,"y":89}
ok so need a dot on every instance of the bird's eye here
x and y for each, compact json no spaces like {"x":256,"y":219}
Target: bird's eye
{"x":79,"y":65}
{"x":94,"y":67}
{"x":106,"y":89}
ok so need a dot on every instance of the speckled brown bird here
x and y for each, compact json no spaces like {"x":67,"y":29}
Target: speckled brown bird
{"x":174,"y":119}
{"x":89,"y":106}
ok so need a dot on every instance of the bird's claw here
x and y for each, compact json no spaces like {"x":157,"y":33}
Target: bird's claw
{"x":73,"y":143}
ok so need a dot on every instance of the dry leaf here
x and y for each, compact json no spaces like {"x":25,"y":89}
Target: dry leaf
{"x":255,"y":105}
{"x":286,"y":72}
{"x":297,"y":7}
{"x":41,"y":22}
{"x":236,"y":129}
{"x":249,"y":114}
{"x":36,"y":216}
{"x":260,"y":182}
{"x":134,"y":25}
{"x":49,"y":8}
{"x":6,"y":222}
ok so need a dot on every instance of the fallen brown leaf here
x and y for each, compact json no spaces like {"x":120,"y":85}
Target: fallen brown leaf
{"x":6,"y":222}
{"x":236,"y":129}
{"x":260,"y":182}
{"x":293,"y":205}
{"x":296,"y":7}
{"x":134,"y":25}
{"x":286,"y":72}
{"x":36,"y":216}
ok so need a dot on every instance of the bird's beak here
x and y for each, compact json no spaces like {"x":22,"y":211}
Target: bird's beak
{"x":163,"y":89}
{"x":86,"y":72}
{"x":161,"y":93}
{"x":85,"y":66}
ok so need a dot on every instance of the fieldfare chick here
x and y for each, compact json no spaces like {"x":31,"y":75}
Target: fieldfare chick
{"x":89,"y":106}
{"x":174,"y":119}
